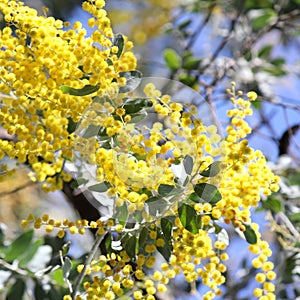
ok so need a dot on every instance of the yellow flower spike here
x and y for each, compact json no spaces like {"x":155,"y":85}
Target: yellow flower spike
{"x":73,"y":230}
{"x":49,"y":228}
{"x":252,"y":96}
{"x":24,"y":223}
{"x":61,"y":234}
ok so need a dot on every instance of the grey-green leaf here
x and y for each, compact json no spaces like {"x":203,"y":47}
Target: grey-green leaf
{"x":119,"y":42}
{"x":133,"y":79}
{"x":207,"y":192}
{"x":67,"y":266}
{"x":122,"y":213}
{"x":143,"y":236}
{"x":99,"y":187}
{"x":130,"y":246}
{"x":91,"y":131}
{"x":166,"y":250}
{"x":165,"y":189}
{"x":134,"y":105}
{"x":212,"y":170}
{"x":188,"y":164}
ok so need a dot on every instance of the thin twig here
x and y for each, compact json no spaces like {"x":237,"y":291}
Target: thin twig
{"x":15,"y":269}
{"x":199,"y":29}
{"x":289,"y":225}
{"x":88,"y":260}
{"x":17,"y":189}
{"x":225,"y":40}
{"x":252,"y":40}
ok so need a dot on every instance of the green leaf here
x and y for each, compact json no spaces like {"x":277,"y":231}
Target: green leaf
{"x":256,"y":104}
{"x":30,"y":252}
{"x":295,"y":217}
{"x":143,"y":236}
{"x":278,"y":62}
{"x":86,"y":90}
{"x":188,"y":163}
{"x":187,"y":79}
{"x":119,"y":42}
{"x":184,"y":24}
{"x":191,"y":63}
{"x":188,"y":218}
{"x":134,"y":105}
{"x":166,"y":227}
{"x":16,"y":292}
{"x":122,"y":214}
{"x":265,"y":52}
{"x":212,"y":170}
{"x":194,"y":197}
{"x":58,"y":277}
{"x":101,"y":100}
{"x":173,"y":60}
{"x":156,"y":205}
{"x":166,"y":250}
{"x":65,"y":248}
{"x":79,"y":181}
{"x":218,"y":228}
{"x":293,"y":176}
{"x":276,"y":71}
{"x":289,"y":267}
{"x":133,"y":79}
{"x":263,"y":19}
{"x":2,"y":235}
{"x":273,"y":204}
{"x":18,"y":246}
{"x":106,"y":244}
{"x":138,"y":216}
{"x":136,"y":118}
{"x":66,"y":267}
{"x":130,"y":246}
{"x":99,"y":187}
{"x":39,"y":292}
{"x":53,"y":293}
{"x":71,"y":125}
{"x":208,"y":193}
{"x":91,"y":131}
{"x":250,"y":234}
{"x":165,"y":189}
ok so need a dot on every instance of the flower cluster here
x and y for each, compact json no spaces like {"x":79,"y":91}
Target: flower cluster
{"x":44,"y":65}
{"x":53,"y":79}
{"x":173,"y":216}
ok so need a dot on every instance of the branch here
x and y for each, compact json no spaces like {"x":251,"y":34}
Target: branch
{"x":289,"y":225}
{"x":199,"y":29}
{"x":88,"y":260}
{"x":15,"y":269}
{"x":275,"y":25}
{"x":17,"y":189}
{"x":225,"y":39}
